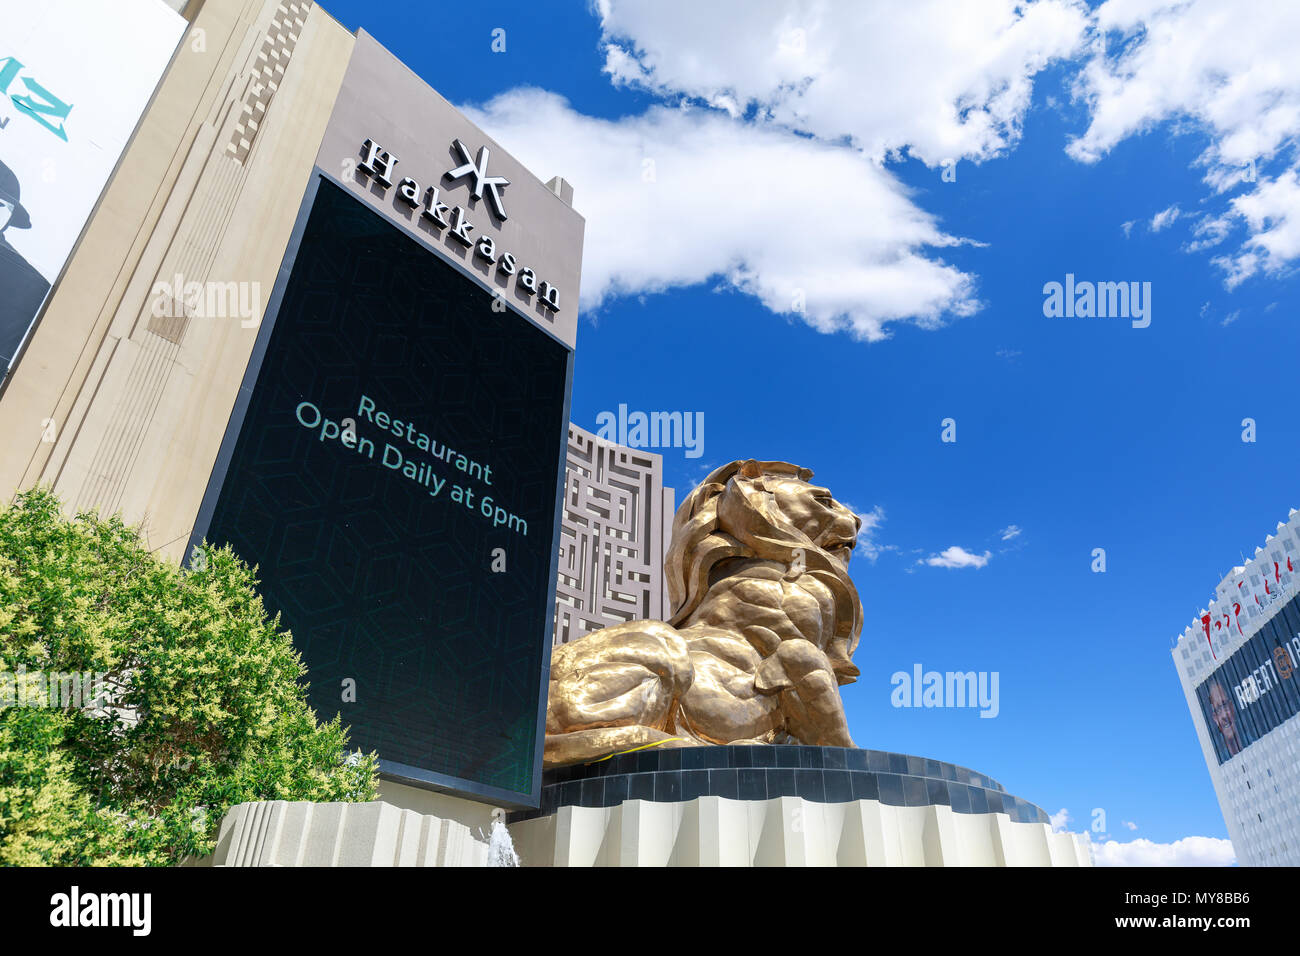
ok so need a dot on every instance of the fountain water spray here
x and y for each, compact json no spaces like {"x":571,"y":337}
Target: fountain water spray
{"x":501,"y":849}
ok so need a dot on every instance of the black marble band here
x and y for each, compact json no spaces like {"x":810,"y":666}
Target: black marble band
{"x":818,"y":774}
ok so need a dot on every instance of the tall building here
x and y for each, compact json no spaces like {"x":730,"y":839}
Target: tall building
{"x":1238,"y":662}
{"x":615,"y":528}
{"x":321,"y":317}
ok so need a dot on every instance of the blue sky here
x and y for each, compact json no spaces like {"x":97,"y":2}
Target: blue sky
{"x":925,"y":302}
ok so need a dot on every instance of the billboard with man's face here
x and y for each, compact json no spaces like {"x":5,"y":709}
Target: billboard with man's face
{"x":75,"y":77}
{"x":1257,"y":688}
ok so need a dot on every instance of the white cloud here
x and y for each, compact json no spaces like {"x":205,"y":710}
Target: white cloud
{"x":868,"y":546}
{"x":1009,"y":532}
{"x":812,"y":227}
{"x":958,"y":557}
{"x":1189,"y":851}
{"x":1231,"y":317}
{"x":1211,"y":231}
{"x":1155,"y":60}
{"x":1208,"y":67}
{"x":1272,"y":214}
{"x":935,"y":79}
{"x":744,"y":84}
{"x":1127,"y":227}
{"x":1165,"y":217}
{"x":679,"y":197}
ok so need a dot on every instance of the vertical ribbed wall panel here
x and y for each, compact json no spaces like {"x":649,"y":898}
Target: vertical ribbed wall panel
{"x":787,"y":831}
{"x":140,"y":400}
{"x":301,"y":833}
{"x":204,"y":212}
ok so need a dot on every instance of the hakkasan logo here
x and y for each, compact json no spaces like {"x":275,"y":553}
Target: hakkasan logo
{"x":32,"y":99}
{"x":379,"y":164}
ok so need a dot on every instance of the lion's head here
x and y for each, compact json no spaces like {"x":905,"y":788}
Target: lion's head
{"x":767,"y":510}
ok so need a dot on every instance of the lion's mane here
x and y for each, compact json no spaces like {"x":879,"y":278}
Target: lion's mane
{"x":733,"y":515}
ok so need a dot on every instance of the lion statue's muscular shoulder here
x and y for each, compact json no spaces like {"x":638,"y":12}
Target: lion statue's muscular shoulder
{"x":765,"y":623}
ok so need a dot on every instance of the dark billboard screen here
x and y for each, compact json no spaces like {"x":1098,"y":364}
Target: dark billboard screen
{"x":1257,"y":687}
{"x":394,"y":469}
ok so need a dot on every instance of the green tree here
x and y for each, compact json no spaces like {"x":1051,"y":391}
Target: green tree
{"x":204,"y":704}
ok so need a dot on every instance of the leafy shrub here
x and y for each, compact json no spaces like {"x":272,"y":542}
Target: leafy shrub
{"x":204,"y":706}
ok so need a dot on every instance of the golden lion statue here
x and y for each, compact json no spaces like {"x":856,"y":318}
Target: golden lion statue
{"x":765,"y":625}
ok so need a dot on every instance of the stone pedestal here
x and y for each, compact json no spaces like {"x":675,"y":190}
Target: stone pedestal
{"x":783,"y":806}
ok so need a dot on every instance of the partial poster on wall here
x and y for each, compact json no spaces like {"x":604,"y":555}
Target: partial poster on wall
{"x":75,"y":77}
{"x":1257,"y":688}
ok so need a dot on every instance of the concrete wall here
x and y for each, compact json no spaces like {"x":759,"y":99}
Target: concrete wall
{"x":301,"y":833}
{"x":707,"y":831}
{"x":469,"y":813}
{"x":787,"y":831}
{"x":115,"y":407}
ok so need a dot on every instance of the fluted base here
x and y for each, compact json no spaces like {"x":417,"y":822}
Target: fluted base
{"x":783,"y":806}
{"x":787,"y":831}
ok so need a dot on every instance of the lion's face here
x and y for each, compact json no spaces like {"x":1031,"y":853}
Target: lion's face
{"x":767,"y":510}
{"x":812,"y":510}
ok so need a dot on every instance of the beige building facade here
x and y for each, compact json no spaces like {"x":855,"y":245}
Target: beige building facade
{"x":122,"y":396}
{"x":120,"y":410}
